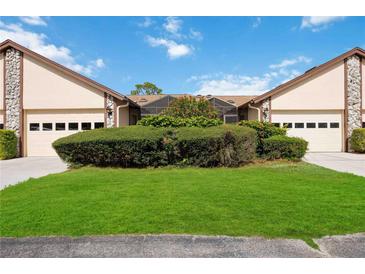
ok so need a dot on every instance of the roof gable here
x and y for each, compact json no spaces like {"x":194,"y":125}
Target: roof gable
{"x":309,"y":73}
{"x":9,"y":43}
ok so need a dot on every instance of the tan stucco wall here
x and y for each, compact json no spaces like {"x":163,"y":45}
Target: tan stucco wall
{"x":1,"y":81}
{"x":323,"y":91}
{"x":252,"y":114}
{"x":123,"y":118}
{"x":1,"y":116}
{"x":47,"y":88}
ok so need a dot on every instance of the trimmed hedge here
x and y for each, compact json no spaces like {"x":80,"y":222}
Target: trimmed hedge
{"x":264,"y":130}
{"x":284,"y":147}
{"x":357,"y":140}
{"x":170,"y":121}
{"x":8,"y":144}
{"x":138,"y":146}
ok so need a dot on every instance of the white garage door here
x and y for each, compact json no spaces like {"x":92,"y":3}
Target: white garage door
{"x":44,"y":127}
{"x":322,"y":129}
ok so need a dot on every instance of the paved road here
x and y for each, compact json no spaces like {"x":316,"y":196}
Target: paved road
{"x":340,"y":161}
{"x":149,"y":246}
{"x":17,"y":170}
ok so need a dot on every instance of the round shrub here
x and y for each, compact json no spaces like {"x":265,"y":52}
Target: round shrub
{"x":284,"y":147}
{"x":8,"y":144}
{"x":357,"y":140}
{"x":138,"y":146}
{"x":170,"y":121}
{"x":264,"y":130}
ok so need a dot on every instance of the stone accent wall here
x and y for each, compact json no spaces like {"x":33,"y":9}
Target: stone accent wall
{"x":13,"y":91}
{"x":353,"y":74}
{"x":266,"y":110}
{"x":110,"y":115}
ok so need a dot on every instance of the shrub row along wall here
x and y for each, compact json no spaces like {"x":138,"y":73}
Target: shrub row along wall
{"x":138,"y":146}
{"x":170,"y":121}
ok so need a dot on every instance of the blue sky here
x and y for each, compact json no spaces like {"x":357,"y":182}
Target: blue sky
{"x":198,"y":55}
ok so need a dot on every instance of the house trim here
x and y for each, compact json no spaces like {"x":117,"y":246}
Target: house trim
{"x":345,"y":116}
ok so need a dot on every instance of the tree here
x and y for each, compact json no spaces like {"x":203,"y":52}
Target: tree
{"x":189,"y":106}
{"x":146,"y":88}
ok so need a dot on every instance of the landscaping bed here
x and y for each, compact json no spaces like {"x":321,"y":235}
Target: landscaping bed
{"x":274,"y":199}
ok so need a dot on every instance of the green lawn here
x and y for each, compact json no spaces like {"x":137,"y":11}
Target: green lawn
{"x":292,"y":200}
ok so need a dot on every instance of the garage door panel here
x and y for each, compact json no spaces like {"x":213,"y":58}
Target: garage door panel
{"x":39,"y":142}
{"x":319,"y":139}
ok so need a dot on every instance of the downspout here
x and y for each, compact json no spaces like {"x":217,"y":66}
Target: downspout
{"x":118,"y":107}
{"x":258,"y":111}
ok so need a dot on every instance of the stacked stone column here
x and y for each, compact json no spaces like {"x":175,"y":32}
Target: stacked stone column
{"x":13,"y":108}
{"x":266,"y":110}
{"x":110,"y":115}
{"x":353,"y":95}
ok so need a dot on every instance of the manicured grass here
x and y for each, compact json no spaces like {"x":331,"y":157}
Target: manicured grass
{"x":291,"y":200}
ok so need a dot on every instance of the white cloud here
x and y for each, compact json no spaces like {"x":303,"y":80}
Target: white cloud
{"x":194,"y":34}
{"x":33,"y":20}
{"x":147,"y":22}
{"x":176,"y":42}
{"x":174,"y":50}
{"x":318,"y":23}
{"x":99,"y":63}
{"x":289,"y":62}
{"x":232,"y":84}
{"x":257,"y":22}
{"x":236,"y":84}
{"x":173,"y":25}
{"x":38,"y":43}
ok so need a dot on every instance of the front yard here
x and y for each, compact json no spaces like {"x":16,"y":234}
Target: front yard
{"x":282,"y":199}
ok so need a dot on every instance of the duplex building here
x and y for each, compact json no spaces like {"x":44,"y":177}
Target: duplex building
{"x":42,"y":101}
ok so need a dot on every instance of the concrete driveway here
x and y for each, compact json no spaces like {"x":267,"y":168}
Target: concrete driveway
{"x":17,"y":170}
{"x":190,"y":246}
{"x":340,"y":161}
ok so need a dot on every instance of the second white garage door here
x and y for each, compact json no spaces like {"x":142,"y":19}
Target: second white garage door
{"x":322,"y":129}
{"x":44,"y":127}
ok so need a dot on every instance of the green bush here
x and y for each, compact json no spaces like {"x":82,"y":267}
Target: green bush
{"x":138,"y":146}
{"x":357,"y":140}
{"x":284,"y":147}
{"x":8,"y":144}
{"x":170,"y":121}
{"x":264,"y":130}
{"x":189,"y":106}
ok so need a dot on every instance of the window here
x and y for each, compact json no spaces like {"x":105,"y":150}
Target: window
{"x":276,"y":124}
{"x":1,"y":126}
{"x":288,"y":125}
{"x":34,"y":126}
{"x":230,"y":119}
{"x":311,"y":125}
{"x":85,"y":126}
{"x":98,"y":125}
{"x":334,"y":125}
{"x":60,"y":126}
{"x":47,"y":126}
{"x":363,"y":124}
{"x":299,"y":125}
{"x":73,"y":126}
{"x":322,"y":125}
